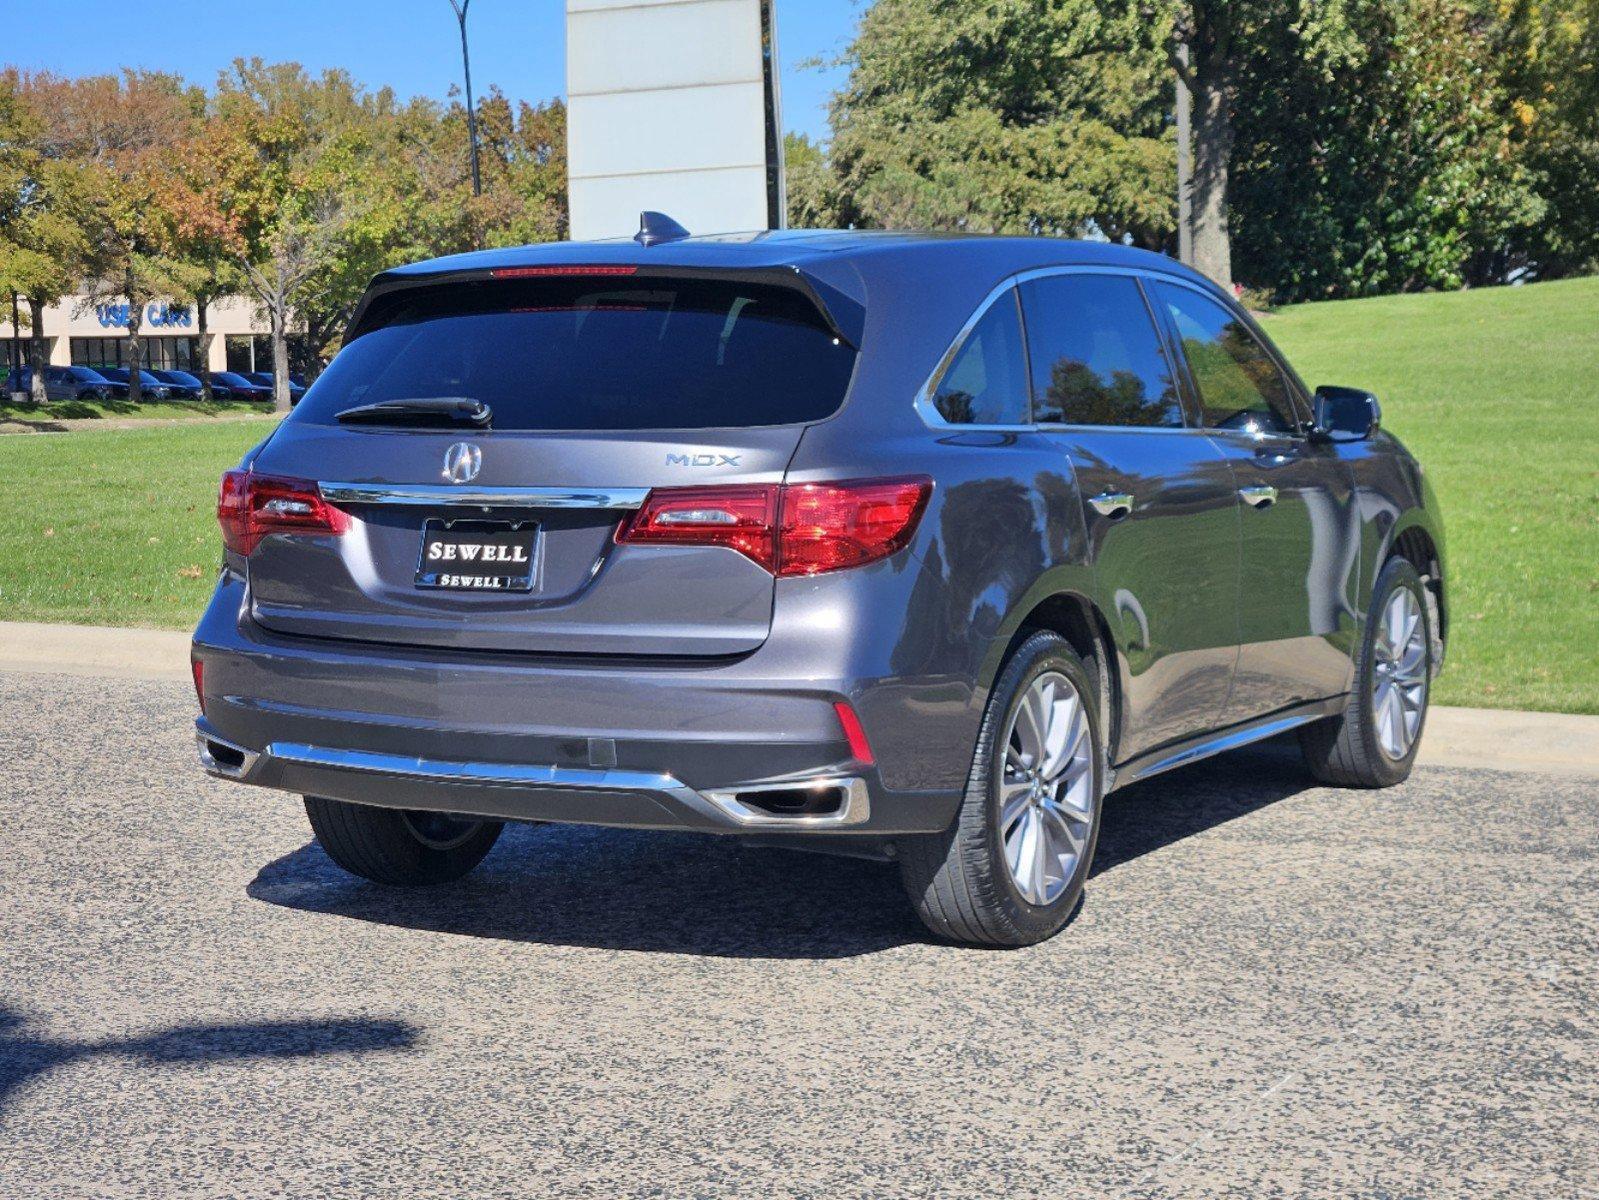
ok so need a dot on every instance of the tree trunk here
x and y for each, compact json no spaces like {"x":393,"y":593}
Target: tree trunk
{"x":280,"y":356}
{"x":1212,"y":156}
{"x":203,"y":338}
{"x":135,"y":353}
{"x":1185,"y":162}
{"x":36,"y":350}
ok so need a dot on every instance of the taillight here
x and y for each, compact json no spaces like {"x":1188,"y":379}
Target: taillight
{"x":197,"y":669}
{"x":793,"y":529}
{"x":250,"y":506}
{"x":829,"y":526}
{"x":742,"y":518}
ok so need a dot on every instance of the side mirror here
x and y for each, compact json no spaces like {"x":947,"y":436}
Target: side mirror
{"x":1343,"y":414}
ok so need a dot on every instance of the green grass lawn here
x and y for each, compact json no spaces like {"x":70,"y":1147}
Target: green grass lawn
{"x":1497,"y":392}
{"x":115,"y":526}
{"x":149,"y":410}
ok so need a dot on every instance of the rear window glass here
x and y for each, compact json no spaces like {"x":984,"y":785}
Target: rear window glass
{"x":598,"y":354}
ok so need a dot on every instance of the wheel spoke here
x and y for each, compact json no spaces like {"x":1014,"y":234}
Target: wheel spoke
{"x":1029,"y":731}
{"x":1013,"y":796}
{"x":1061,"y":820}
{"x":1065,"y":731}
{"x":1040,"y":861}
{"x":1394,"y":625}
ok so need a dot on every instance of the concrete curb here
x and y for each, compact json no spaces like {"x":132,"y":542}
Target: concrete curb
{"x":1493,"y":739}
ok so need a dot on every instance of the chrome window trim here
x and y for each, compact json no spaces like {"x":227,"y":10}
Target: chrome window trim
{"x":481,"y":497}
{"x":933,"y":419}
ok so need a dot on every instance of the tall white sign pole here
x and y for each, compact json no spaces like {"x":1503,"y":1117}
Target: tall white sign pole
{"x":673,"y":106}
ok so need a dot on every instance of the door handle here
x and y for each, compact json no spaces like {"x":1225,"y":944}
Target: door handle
{"x":1114,"y":505}
{"x":1260,"y":496}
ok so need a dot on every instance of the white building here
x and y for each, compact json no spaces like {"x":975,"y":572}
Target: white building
{"x":79,"y":333}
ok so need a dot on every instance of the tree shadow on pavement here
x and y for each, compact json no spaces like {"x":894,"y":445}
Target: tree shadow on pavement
{"x":24,"y":1057}
{"x":702,"y":894}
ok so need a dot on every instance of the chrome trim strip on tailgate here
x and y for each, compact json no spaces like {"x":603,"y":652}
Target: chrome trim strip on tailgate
{"x":481,"y":497}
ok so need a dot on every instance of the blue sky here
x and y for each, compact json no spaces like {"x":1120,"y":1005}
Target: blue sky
{"x":410,"y":45}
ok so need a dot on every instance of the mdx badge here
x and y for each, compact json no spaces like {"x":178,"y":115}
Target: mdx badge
{"x":462,"y":462}
{"x":702,"y":460}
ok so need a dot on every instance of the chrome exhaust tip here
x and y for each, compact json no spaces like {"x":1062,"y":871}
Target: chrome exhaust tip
{"x":829,"y":803}
{"x":222,"y":758}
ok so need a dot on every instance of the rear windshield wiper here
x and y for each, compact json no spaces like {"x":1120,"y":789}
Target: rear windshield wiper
{"x":422,"y":408}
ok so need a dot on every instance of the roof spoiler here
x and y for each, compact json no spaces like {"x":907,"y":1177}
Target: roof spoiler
{"x":845,"y":316}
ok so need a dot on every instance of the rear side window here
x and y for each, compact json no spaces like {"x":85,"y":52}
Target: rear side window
{"x":598,"y":354}
{"x":1240,"y":387}
{"x":986,"y":382}
{"x":1097,"y":359}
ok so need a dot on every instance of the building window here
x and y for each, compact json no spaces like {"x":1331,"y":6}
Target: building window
{"x":160,"y":353}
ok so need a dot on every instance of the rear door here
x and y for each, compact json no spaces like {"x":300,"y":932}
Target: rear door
{"x":1160,"y":505}
{"x":1300,"y":529}
{"x":601,"y":389}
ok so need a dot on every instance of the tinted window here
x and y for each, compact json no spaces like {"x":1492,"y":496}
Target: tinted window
{"x":986,"y":381}
{"x":1097,"y":359}
{"x":1240,"y":387}
{"x":583,"y":353}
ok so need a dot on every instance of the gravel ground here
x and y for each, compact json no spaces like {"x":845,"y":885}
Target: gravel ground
{"x":1272,"y":989}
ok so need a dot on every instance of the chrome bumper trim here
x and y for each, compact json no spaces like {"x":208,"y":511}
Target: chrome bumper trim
{"x":500,"y":774}
{"x":721,"y":806}
{"x":482,"y":497}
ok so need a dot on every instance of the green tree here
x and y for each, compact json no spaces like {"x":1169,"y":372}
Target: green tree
{"x":1546,"y":53}
{"x":113,"y":134}
{"x":283,"y":149}
{"x":1026,"y":116}
{"x":1388,"y":168}
{"x":813,"y":201}
{"x":43,"y":244}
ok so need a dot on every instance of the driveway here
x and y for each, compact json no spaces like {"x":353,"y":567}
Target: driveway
{"x":1272,"y":989}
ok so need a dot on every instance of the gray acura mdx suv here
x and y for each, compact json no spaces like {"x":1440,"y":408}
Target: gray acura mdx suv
{"x":887,"y":544}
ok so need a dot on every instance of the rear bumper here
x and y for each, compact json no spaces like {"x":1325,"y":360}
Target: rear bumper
{"x":508,"y":737}
{"x":522,"y":792}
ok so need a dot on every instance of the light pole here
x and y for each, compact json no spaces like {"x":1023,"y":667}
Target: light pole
{"x":460,"y":7}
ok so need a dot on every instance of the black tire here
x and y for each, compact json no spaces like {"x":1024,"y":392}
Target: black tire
{"x":1345,"y":751}
{"x":958,"y":880}
{"x":388,"y":845}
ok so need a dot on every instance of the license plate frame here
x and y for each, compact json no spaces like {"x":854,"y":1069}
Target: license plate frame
{"x":451,"y":572}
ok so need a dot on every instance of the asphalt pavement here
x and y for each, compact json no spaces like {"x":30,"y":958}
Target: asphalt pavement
{"x":1272,"y":989}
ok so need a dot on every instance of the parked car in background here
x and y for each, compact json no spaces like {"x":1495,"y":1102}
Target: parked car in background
{"x":68,"y":383}
{"x":230,"y":385}
{"x":150,"y":388}
{"x":264,"y":378}
{"x":184,"y":385}
{"x":883,"y":544}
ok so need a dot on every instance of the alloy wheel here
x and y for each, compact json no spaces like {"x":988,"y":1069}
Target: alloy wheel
{"x":1399,"y":682}
{"x":1046,"y":784}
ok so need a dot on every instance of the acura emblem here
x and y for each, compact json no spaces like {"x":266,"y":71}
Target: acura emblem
{"x":462,"y":462}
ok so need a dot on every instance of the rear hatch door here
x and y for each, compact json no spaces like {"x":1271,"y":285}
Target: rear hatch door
{"x":504,"y":538}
